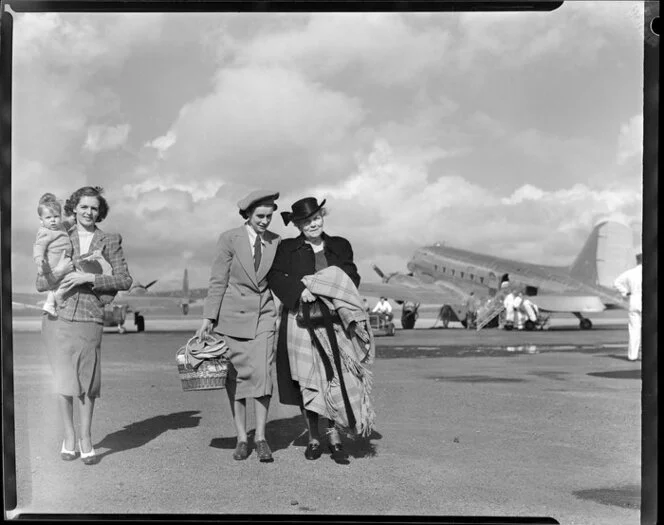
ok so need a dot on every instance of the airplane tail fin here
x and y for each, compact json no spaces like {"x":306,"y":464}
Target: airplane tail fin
{"x":185,"y":292}
{"x":607,"y":253}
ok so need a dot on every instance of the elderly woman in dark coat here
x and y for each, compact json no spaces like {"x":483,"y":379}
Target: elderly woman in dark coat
{"x":304,"y":255}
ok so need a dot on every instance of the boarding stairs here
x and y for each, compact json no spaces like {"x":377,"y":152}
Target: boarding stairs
{"x":489,"y":312}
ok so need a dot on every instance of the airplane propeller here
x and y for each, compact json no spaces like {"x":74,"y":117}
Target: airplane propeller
{"x":381,"y":274}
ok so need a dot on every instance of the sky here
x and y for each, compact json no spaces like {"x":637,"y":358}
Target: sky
{"x":505,"y":133}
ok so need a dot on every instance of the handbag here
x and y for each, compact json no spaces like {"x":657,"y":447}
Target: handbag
{"x":312,"y":314}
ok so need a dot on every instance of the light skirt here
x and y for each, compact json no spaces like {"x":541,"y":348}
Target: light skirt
{"x":252,"y":364}
{"x":74,"y":352}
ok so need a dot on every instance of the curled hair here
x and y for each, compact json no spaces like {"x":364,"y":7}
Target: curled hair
{"x":245,"y":214}
{"x":48,"y":201}
{"x":88,"y":191}
{"x":323,"y":213}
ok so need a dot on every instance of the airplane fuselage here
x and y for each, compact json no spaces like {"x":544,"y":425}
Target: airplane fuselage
{"x":471,"y":271}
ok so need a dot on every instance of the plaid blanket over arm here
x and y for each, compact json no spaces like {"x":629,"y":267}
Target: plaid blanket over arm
{"x":357,"y":350}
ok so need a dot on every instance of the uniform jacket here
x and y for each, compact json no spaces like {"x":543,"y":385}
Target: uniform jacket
{"x":236,"y":291}
{"x":629,"y":284}
{"x":83,"y":303}
{"x":295,"y":259}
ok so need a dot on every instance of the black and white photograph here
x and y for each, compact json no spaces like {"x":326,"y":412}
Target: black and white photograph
{"x":329,"y":263}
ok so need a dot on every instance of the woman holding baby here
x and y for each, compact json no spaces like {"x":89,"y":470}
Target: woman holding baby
{"x":72,"y":339}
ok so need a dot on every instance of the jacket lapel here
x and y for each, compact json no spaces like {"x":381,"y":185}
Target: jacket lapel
{"x":75,"y":242}
{"x":97,"y":238}
{"x":244,"y":255}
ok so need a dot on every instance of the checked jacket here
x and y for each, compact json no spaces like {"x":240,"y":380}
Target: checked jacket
{"x":83,"y":303}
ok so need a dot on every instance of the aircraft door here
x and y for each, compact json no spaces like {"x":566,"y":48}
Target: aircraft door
{"x":531,"y":291}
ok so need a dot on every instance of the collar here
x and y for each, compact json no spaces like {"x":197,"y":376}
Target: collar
{"x":252,"y":234}
{"x":329,"y":243}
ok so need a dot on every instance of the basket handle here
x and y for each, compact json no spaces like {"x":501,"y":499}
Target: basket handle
{"x":187,"y":353}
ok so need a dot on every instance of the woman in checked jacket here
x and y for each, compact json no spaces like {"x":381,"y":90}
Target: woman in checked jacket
{"x":72,"y":340}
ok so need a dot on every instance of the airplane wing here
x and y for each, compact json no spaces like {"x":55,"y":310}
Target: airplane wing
{"x":422,"y":293}
{"x":32,"y":301}
{"x":568,"y":303}
{"x":148,"y":303}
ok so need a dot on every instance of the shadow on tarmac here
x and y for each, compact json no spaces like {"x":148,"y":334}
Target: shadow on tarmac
{"x":137,"y":434}
{"x":626,"y":496}
{"x":618,"y":374}
{"x":292,"y":431}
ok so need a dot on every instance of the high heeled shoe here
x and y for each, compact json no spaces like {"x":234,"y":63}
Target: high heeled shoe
{"x":67,"y":455}
{"x":89,"y":458}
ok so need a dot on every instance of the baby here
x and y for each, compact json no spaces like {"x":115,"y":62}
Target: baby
{"x":52,"y":240}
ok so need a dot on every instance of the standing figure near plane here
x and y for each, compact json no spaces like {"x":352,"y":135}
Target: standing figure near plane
{"x":519,"y":313}
{"x":384,"y":308}
{"x":629,"y":285}
{"x":472,"y":309}
{"x":508,"y":302}
{"x":239,"y":306}
{"x":305,"y":375}
{"x":73,"y":338}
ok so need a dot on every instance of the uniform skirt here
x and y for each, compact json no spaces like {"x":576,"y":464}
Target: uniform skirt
{"x":252,"y":364}
{"x":74,"y":352}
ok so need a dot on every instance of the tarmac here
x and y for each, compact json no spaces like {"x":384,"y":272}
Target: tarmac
{"x":489,"y":423}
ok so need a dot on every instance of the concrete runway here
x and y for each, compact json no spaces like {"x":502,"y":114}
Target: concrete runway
{"x":468,"y":424}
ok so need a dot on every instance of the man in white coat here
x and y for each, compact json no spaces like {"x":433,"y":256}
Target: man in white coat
{"x":629,"y":285}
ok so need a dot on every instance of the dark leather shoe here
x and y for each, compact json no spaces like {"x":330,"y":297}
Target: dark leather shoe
{"x":338,"y":453}
{"x":263,"y":451}
{"x":313,"y":450}
{"x":241,"y":450}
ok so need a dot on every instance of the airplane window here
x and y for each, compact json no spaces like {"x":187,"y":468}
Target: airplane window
{"x":452,"y":272}
{"x":482,"y":280}
{"x":444,"y":268}
{"x":462,"y":275}
{"x":472,"y":277}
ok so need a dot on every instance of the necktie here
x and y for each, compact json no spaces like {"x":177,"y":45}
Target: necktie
{"x":257,"y":252}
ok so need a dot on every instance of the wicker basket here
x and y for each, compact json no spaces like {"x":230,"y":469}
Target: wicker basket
{"x":209,"y":375}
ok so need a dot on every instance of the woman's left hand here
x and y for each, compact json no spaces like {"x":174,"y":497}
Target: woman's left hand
{"x":76,"y":279}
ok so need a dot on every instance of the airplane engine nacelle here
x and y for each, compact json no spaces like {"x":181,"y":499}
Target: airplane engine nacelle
{"x":405,"y":280}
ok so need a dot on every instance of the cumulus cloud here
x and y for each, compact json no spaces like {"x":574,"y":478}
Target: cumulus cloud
{"x":104,"y":138}
{"x":263,"y":123}
{"x":378,"y":47}
{"x":161,"y":144}
{"x":198,"y":190}
{"x":388,"y":116}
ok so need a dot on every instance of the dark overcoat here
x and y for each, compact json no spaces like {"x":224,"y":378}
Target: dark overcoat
{"x":294,"y":259}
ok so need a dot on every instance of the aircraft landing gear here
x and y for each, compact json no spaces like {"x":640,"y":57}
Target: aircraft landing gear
{"x":139,"y":321}
{"x":584,"y":323}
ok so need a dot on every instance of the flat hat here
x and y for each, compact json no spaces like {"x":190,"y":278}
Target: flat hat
{"x":256,"y":196}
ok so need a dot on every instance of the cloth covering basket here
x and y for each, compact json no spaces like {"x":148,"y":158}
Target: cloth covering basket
{"x":201,"y":364}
